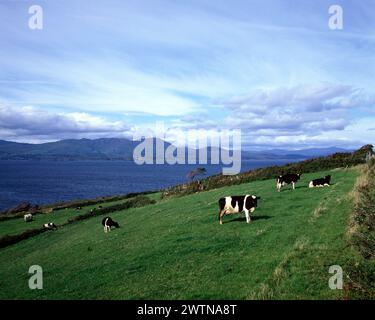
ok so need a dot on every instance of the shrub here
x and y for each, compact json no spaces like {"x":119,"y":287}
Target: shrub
{"x":361,"y":273}
{"x":336,"y":160}
{"x":363,"y":218}
{"x":136,"y":202}
{"x":84,"y":203}
{"x":361,"y":280}
{"x":12,"y":239}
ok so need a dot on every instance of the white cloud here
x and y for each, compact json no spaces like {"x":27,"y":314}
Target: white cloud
{"x":31,"y":124}
{"x":299,"y":116}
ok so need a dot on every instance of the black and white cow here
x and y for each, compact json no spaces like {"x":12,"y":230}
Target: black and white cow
{"x":108,"y":223}
{"x":290,"y":178}
{"x":237,"y":204}
{"x":50,"y":226}
{"x":321,"y":182}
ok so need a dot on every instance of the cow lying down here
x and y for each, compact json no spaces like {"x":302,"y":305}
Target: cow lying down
{"x":108,"y":223}
{"x":237,"y":204}
{"x":50,"y":226}
{"x":321,"y":182}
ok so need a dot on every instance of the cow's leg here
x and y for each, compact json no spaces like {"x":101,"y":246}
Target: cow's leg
{"x":278,"y":187}
{"x":251,"y":211}
{"x":221,"y":216}
{"x":105,"y":229}
{"x":294,"y":186}
{"x":248,"y":218}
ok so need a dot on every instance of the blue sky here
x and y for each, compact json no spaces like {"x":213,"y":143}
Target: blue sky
{"x":273,"y":69}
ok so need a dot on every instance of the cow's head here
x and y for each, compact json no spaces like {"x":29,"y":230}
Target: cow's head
{"x":255,"y":198}
{"x":116,"y":224}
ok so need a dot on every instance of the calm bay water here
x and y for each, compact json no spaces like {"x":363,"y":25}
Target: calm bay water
{"x":43,"y":182}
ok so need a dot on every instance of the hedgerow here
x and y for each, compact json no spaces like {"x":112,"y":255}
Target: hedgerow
{"x":136,"y":202}
{"x":12,"y":239}
{"x":71,"y":204}
{"x":361,"y":272}
{"x":336,"y":160}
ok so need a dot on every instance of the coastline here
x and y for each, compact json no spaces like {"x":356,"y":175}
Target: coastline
{"x":61,"y":182}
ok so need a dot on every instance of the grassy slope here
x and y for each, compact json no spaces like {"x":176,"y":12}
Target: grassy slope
{"x":176,"y":249}
{"x":17,"y":225}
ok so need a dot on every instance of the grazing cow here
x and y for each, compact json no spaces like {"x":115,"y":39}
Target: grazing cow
{"x":50,"y":226}
{"x":237,"y":204}
{"x":290,"y":178}
{"x":321,"y":182}
{"x":100,"y":207}
{"x":28,"y":217}
{"x":108,"y":223}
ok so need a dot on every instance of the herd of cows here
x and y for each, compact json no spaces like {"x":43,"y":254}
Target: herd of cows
{"x":227,"y":205}
{"x":248,"y":203}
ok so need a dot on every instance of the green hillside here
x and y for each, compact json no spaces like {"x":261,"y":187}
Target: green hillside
{"x":176,"y":249}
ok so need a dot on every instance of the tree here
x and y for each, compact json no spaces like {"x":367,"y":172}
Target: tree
{"x":196,"y":173}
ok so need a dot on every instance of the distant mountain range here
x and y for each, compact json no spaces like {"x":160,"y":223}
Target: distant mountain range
{"x":122,"y":149}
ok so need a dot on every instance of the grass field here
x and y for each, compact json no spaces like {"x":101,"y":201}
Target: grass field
{"x":15,"y":226}
{"x":176,"y":249}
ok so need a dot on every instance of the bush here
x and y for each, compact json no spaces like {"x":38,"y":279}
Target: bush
{"x":9,"y":240}
{"x":361,"y":280}
{"x":84,"y":203}
{"x":363,"y":218}
{"x":136,"y":202}
{"x":361,"y":273}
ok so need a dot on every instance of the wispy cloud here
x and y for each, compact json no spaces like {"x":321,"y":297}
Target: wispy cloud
{"x":314,"y":98}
